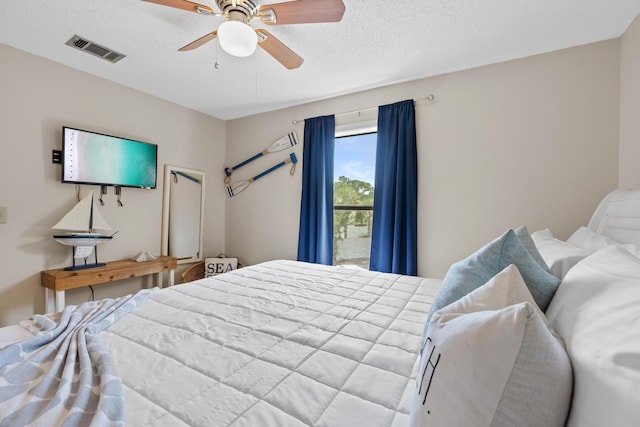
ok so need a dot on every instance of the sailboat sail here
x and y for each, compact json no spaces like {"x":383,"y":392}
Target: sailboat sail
{"x":82,"y":224}
{"x":84,"y":217}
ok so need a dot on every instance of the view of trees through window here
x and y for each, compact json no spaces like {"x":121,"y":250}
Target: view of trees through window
{"x":354,"y":176}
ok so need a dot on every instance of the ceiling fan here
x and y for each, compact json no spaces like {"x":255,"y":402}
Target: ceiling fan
{"x":238,"y":38}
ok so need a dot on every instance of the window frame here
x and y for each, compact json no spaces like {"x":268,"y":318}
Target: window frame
{"x":348,"y":130}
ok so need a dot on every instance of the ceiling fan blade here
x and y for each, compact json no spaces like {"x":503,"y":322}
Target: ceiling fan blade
{"x":199,"y":42}
{"x":278,"y":50}
{"x":302,"y":12}
{"x":185,"y":5}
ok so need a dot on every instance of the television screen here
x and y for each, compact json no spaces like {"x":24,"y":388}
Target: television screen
{"x":95,"y":158}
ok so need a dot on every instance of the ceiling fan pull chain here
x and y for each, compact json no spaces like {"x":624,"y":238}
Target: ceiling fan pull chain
{"x":217,"y":65}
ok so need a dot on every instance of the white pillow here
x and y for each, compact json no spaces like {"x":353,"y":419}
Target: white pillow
{"x":597,"y":312}
{"x":491,"y":360}
{"x":585,"y":237}
{"x":560,"y":256}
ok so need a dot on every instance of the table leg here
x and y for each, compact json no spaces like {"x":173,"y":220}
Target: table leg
{"x":59,"y":301}
{"x":47,"y":297}
{"x":159,"y":278}
{"x":171,"y":278}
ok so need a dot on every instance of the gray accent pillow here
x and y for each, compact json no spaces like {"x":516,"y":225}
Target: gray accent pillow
{"x":525,"y":238}
{"x":477,"y":269}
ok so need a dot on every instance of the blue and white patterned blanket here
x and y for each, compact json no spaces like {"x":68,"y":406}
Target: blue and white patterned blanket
{"x":64,"y":375}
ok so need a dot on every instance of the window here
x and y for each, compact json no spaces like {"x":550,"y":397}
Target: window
{"x":354,"y":177}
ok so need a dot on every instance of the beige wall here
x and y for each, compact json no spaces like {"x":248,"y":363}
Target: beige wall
{"x":532,"y":141}
{"x":38,"y":97}
{"x":630,"y":107}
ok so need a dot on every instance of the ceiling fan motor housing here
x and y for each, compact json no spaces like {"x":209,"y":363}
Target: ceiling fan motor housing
{"x":238,"y":10}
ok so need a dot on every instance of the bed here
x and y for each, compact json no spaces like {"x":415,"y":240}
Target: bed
{"x":286,"y":343}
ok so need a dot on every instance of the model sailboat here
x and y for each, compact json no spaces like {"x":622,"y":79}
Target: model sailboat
{"x":84,"y":225}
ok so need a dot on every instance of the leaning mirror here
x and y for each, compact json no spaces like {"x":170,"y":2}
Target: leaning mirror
{"x":183,"y":214}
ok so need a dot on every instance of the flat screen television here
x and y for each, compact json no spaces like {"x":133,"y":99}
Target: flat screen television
{"x":98,"y":159}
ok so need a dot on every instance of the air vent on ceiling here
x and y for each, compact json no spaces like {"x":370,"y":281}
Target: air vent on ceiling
{"x":95,"y":49}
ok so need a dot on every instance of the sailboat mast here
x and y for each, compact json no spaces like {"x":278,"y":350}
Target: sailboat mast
{"x":91,"y":215}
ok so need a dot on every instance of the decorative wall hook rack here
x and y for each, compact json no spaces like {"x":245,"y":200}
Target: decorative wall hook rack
{"x":118,"y":191}
{"x":103,"y":191}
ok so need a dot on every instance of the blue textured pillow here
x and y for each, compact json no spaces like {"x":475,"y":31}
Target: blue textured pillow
{"x":476,"y":270}
{"x":522,"y":233}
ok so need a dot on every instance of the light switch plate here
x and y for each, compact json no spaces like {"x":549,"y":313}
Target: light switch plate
{"x":4,"y":213}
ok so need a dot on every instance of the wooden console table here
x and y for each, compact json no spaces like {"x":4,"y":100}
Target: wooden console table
{"x":60,"y":280}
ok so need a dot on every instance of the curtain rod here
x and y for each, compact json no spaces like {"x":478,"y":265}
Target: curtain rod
{"x":426,"y":98}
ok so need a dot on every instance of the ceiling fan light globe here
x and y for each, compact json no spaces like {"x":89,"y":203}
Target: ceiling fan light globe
{"x":237,"y":38}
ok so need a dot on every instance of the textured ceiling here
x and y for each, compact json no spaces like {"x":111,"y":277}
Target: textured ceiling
{"x":378,"y":42}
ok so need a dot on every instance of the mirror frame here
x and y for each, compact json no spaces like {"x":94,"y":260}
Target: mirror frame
{"x":166,"y":202}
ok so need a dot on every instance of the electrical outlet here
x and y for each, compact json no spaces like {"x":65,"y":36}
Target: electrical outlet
{"x":4,"y":213}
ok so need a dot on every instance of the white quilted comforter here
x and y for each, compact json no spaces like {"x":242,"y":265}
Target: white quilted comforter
{"x":276,"y":344}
